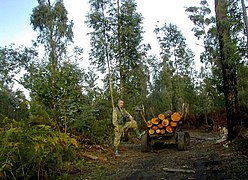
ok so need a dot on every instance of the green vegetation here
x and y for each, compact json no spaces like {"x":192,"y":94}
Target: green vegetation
{"x":41,"y":135}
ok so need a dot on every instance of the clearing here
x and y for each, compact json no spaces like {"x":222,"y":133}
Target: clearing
{"x":203,"y":159}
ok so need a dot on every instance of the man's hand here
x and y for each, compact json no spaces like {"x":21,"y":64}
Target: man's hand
{"x":116,"y":129}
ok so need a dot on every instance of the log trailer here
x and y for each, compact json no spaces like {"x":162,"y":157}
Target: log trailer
{"x":166,"y":128}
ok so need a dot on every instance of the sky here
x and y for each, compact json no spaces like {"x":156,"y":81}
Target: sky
{"x":15,"y":21}
{"x":15,"y":24}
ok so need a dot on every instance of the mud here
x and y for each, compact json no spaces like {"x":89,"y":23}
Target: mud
{"x":203,"y":160}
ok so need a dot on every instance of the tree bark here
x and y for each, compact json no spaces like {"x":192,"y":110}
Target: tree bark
{"x":119,"y":51}
{"x":228,"y":65}
{"x":109,"y":67}
{"x":246,"y":24}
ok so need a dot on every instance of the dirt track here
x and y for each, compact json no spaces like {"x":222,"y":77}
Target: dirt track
{"x":202,"y":160}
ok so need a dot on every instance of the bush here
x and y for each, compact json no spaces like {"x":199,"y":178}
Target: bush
{"x":33,"y":152}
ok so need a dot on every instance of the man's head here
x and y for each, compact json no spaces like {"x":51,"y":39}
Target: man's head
{"x":120,"y":103}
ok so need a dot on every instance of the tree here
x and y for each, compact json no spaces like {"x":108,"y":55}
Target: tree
{"x":101,"y":52}
{"x":177,"y":58}
{"x":56,"y":83}
{"x":210,"y":77}
{"x":229,"y":60}
{"x":54,"y":32}
{"x":12,"y":61}
{"x":116,"y":46}
{"x":245,"y":22}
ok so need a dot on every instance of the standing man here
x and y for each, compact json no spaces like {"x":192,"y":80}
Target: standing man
{"x":121,"y":120}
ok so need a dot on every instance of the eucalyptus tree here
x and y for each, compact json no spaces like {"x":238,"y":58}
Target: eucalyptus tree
{"x":13,"y":61}
{"x":56,"y":82}
{"x":229,"y":59}
{"x":129,"y":53}
{"x":177,"y":58}
{"x":211,"y":79}
{"x":238,"y":35}
{"x":116,"y":46}
{"x":54,"y":29}
{"x":245,"y":22}
{"x":205,"y":30}
{"x":100,"y":21}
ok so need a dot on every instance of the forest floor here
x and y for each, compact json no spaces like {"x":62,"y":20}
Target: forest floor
{"x":204,"y":159}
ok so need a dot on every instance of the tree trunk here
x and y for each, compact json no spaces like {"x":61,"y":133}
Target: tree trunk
{"x":109,"y":68}
{"x":228,"y":64}
{"x":246,"y":24}
{"x":119,"y":51}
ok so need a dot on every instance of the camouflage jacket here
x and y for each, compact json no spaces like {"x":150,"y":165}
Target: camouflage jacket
{"x":120,"y":116}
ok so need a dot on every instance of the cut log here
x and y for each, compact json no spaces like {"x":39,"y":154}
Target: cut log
{"x":161,"y":116}
{"x":155,"y":120}
{"x":169,"y":129}
{"x":151,"y":131}
{"x":149,"y":124}
{"x":173,"y":124}
{"x":165,"y":122}
{"x":176,"y":116}
{"x":154,"y":127}
{"x":162,"y":131}
{"x":160,"y":126}
{"x":158,"y":131}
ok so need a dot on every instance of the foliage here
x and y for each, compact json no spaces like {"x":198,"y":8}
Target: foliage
{"x":33,"y":152}
{"x":13,"y":104}
{"x":210,"y":85}
{"x":54,"y":28}
{"x":64,"y":105}
{"x":116,"y":47}
{"x":175,"y":72}
{"x":56,"y":85}
{"x":12,"y":61}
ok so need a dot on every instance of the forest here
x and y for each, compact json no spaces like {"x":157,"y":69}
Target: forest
{"x":67,"y":107}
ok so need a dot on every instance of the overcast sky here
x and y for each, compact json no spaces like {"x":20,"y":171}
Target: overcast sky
{"x":15,"y":20}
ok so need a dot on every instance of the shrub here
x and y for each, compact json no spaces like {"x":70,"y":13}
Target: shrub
{"x":33,"y":152}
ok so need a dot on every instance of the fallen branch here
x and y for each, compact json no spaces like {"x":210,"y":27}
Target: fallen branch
{"x":178,"y":170}
{"x":90,"y":156}
{"x":94,"y":157}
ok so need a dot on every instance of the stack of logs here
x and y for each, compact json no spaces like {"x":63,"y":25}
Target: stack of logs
{"x":164,"y":123}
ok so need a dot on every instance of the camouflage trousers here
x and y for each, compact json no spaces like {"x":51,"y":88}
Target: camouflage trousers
{"x":130,"y":125}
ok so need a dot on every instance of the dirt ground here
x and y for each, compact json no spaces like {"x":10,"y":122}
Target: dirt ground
{"x":203,"y":160}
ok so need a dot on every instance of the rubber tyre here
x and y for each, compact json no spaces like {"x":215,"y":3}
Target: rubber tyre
{"x":186,"y":139}
{"x":183,"y":139}
{"x":145,"y":147}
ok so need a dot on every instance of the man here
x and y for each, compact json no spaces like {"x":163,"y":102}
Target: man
{"x":122,"y":120}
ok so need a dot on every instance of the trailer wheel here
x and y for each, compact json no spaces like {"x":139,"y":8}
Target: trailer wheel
{"x":183,"y":139}
{"x":145,"y":145}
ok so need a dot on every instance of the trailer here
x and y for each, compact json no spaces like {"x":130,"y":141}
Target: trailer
{"x":166,"y":128}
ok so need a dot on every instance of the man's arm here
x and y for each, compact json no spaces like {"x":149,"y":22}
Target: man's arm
{"x":129,"y":115}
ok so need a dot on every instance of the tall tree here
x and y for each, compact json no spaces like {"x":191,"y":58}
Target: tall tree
{"x":129,"y":53}
{"x":12,"y":61}
{"x":13,"y":103}
{"x":178,"y":59}
{"x":210,"y":75}
{"x":101,"y":53}
{"x":246,"y":24}
{"x":56,"y":83}
{"x":116,"y":46}
{"x":229,"y":60}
